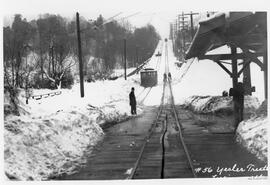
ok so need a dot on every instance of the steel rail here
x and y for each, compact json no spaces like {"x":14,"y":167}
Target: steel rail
{"x":163,"y":148}
{"x":146,"y":140}
{"x":180,"y":127}
{"x":151,"y":130}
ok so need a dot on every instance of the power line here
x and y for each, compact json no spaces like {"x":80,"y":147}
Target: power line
{"x":128,"y":16}
{"x":111,"y":20}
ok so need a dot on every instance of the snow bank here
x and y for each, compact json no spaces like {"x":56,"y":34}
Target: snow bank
{"x":9,"y":107}
{"x":52,"y":134}
{"x":252,"y":134}
{"x":219,"y":104}
{"x":36,"y":149}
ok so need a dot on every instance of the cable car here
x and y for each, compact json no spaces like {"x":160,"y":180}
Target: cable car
{"x":148,"y":77}
{"x":158,"y":54}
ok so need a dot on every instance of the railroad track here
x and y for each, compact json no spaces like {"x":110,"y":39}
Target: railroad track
{"x":159,"y":58}
{"x":164,"y":153}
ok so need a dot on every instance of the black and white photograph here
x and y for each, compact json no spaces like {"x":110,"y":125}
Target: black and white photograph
{"x":126,"y":90}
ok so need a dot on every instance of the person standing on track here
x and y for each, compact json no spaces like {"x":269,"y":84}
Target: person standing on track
{"x":132,"y":101}
{"x":169,"y":76}
{"x":164,"y":77}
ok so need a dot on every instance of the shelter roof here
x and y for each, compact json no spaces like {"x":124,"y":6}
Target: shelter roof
{"x":246,"y":30}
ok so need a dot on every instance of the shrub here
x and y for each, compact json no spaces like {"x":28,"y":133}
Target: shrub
{"x":67,"y":80}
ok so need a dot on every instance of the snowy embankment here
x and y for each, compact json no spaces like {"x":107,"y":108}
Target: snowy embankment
{"x":219,"y":104}
{"x":52,"y":135}
{"x":36,"y":149}
{"x":252,"y":133}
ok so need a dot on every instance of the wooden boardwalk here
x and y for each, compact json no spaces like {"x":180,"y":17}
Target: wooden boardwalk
{"x":116,"y":155}
{"x":119,"y":150}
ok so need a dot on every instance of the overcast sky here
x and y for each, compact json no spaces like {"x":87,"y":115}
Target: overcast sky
{"x":156,"y":12}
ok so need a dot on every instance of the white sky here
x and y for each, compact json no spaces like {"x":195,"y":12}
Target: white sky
{"x":157,"y":12}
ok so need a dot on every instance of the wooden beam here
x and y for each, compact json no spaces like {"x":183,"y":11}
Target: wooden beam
{"x":228,"y":56}
{"x":247,"y":78}
{"x":265,"y":61}
{"x":249,"y":39}
{"x":244,"y":66}
{"x":223,"y":67}
{"x":236,"y":107}
{"x":253,"y":57}
{"x":226,"y":62}
{"x":241,"y":63}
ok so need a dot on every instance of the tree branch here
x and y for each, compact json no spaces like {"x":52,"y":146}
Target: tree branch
{"x":46,"y":74}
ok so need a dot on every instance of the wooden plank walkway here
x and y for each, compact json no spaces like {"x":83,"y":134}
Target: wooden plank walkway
{"x":210,"y":152}
{"x":118,"y":151}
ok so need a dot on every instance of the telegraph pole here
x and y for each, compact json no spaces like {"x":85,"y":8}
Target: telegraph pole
{"x":125,"y":58}
{"x":136,"y":56}
{"x":183,"y":30}
{"x":80,"y":54}
{"x":191,"y":22}
{"x":175,"y":36}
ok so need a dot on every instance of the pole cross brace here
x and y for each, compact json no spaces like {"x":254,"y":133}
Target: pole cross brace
{"x":223,"y":67}
{"x":245,"y":64}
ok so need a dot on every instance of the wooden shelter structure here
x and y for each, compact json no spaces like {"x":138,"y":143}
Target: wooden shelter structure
{"x":244,"y":30}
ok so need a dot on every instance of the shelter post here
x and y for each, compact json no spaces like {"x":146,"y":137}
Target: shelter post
{"x":265,"y":72}
{"x":235,"y":81}
{"x":247,"y":78}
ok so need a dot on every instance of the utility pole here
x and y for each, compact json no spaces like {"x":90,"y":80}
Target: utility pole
{"x":176,"y":36}
{"x":191,"y":22}
{"x":52,"y":56}
{"x":172,"y":36}
{"x":53,"y":64}
{"x":137,"y":62}
{"x":183,"y":30}
{"x":80,"y":54}
{"x":125,"y":58}
{"x":175,"y":29}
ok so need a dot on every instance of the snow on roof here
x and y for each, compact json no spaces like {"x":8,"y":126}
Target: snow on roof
{"x":240,"y":28}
